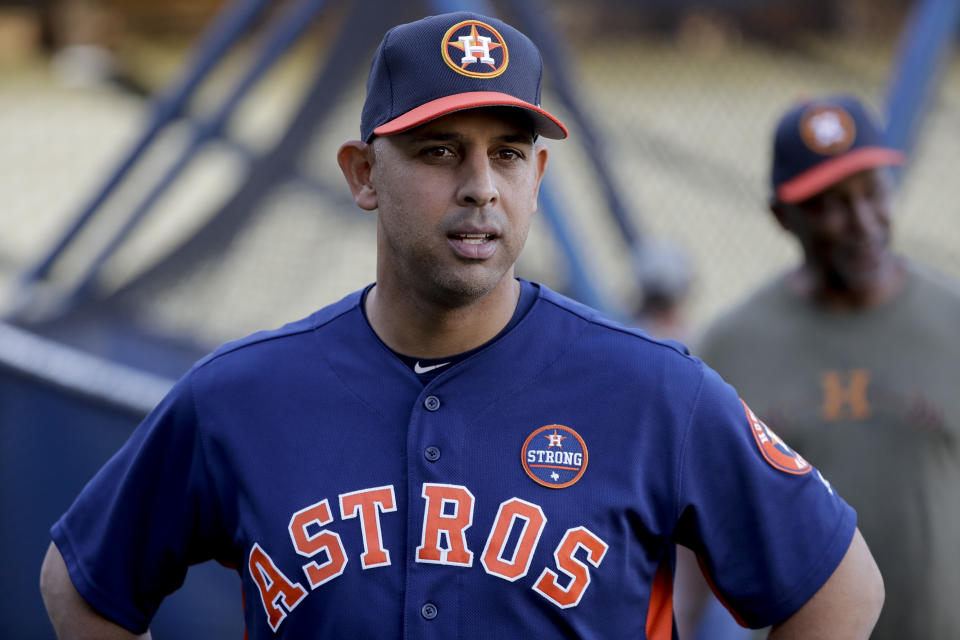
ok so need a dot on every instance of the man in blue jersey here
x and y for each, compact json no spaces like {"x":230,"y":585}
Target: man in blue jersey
{"x":452,"y":451}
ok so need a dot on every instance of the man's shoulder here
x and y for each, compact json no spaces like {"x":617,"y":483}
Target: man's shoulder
{"x":934,"y":284}
{"x":762,"y":308}
{"x":929,"y":309}
{"x":264,"y":344}
{"x":598,"y":330}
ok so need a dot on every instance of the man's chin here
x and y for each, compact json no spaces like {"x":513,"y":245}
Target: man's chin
{"x":459,"y":289}
{"x":867,"y":278}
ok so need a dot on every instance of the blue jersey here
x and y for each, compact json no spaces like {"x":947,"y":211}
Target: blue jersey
{"x":533,"y":489}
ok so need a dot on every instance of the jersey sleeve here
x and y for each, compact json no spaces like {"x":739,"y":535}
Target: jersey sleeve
{"x":768,"y":528}
{"x":147,"y":515}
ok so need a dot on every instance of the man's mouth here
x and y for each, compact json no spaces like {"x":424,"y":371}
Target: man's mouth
{"x":473,"y":238}
{"x":473,"y":246}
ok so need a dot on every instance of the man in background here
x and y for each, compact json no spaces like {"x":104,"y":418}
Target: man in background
{"x":851,"y":357}
{"x":664,"y":277}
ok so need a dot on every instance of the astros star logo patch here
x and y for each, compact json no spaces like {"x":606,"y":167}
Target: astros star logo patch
{"x":775,"y":451}
{"x":475,"y":49}
{"x":554,"y":456}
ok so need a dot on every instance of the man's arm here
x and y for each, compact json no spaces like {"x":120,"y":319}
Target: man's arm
{"x":847,"y":605}
{"x":691,"y":593}
{"x":70,"y":614}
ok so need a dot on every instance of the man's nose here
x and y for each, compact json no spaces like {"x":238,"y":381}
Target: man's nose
{"x":478,"y":186}
{"x":863,"y":215}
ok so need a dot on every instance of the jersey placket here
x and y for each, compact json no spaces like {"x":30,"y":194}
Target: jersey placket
{"x":439,"y":514}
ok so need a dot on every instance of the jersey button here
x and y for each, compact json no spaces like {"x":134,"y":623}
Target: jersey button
{"x":432,"y":403}
{"x":431,"y":453}
{"x":429,"y":611}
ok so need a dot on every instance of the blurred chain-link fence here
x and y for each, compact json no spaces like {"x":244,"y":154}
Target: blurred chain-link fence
{"x":684,"y":101}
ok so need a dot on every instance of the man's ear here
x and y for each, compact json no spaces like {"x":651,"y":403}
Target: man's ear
{"x":356,"y":161}
{"x":540,"y":160}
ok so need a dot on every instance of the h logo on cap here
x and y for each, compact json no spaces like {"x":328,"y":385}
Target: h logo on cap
{"x":827,"y":129}
{"x":469,"y":48}
{"x":484,"y":49}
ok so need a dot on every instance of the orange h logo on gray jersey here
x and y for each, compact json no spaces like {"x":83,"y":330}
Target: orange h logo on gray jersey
{"x":852,"y":396}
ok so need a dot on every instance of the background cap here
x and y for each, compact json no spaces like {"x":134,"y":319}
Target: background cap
{"x":429,"y":68}
{"x":820,"y":142}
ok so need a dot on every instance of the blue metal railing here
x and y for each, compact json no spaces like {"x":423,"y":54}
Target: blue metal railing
{"x":223,"y":33}
{"x":277,"y":41}
{"x":925,"y":42}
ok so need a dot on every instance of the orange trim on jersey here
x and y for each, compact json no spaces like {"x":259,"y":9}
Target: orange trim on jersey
{"x":706,"y":574}
{"x":660,"y":610}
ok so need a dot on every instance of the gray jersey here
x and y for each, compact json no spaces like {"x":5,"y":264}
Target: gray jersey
{"x":872,"y":399}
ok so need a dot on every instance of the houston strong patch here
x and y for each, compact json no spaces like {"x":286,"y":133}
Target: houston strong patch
{"x":554,"y":456}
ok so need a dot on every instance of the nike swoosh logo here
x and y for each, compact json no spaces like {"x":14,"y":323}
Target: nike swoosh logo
{"x":418,"y":369}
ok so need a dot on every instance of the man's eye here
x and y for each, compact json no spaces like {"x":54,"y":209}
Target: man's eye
{"x":831,"y":201}
{"x":437,"y":152}
{"x":509,"y":154}
{"x":875,"y":191}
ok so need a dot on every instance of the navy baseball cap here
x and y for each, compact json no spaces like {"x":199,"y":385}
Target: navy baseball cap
{"x":440,"y":64}
{"x":820,"y":142}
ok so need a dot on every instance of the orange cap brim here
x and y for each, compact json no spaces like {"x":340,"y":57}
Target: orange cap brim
{"x":813,"y":181}
{"x":546,"y":125}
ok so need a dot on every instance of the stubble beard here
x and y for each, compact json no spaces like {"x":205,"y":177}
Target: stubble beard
{"x":456,"y":286}
{"x":429,"y":274}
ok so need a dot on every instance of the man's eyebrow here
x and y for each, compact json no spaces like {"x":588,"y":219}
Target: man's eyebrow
{"x":439,"y":136}
{"x":431,"y":136}
{"x":522,"y":138}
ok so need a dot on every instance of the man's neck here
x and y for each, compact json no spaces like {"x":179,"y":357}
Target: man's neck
{"x":416,"y":327}
{"x":817,"y":288}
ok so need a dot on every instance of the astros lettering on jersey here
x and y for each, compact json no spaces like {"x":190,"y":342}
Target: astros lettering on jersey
{"x":532,"y":489}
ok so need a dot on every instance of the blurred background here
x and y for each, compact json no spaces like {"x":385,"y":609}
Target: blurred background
{"x":168,"y":183}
